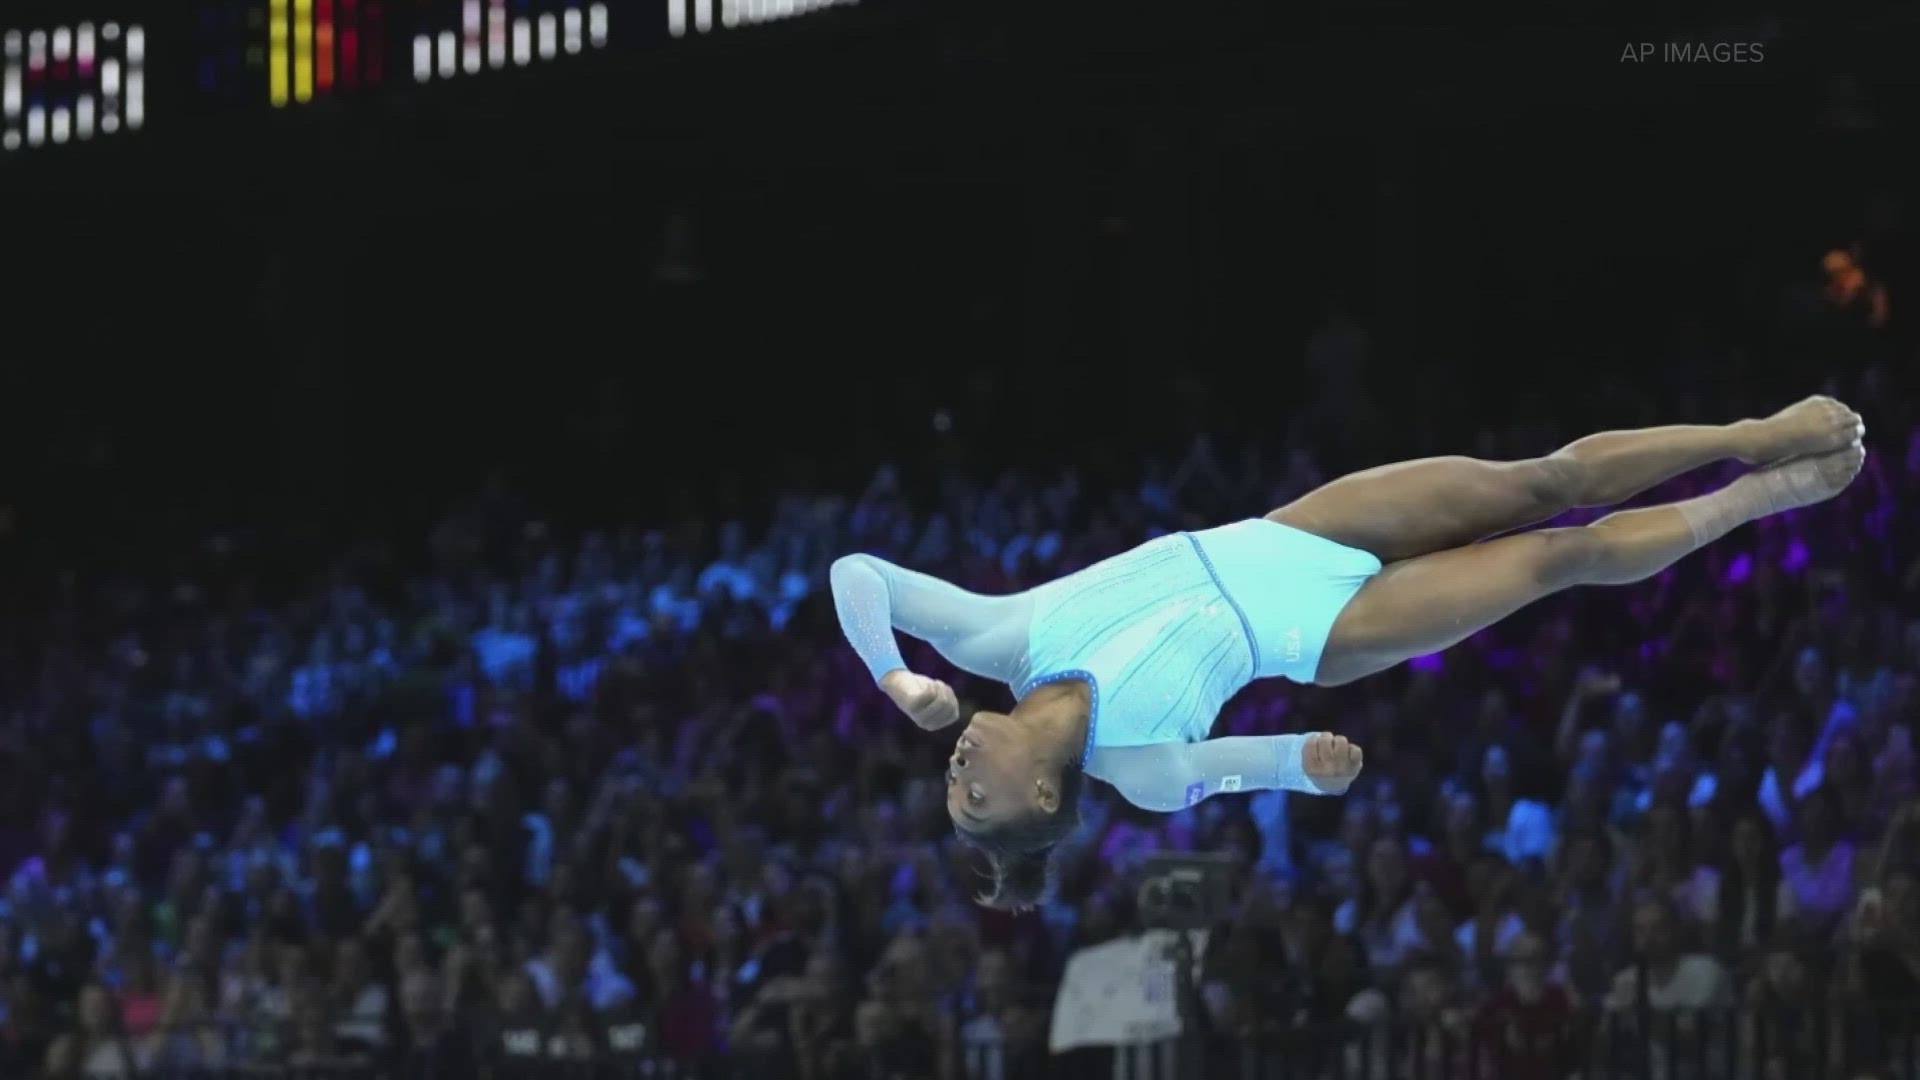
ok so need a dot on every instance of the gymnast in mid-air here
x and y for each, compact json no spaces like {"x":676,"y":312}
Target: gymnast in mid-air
{"x":1120,"y":669}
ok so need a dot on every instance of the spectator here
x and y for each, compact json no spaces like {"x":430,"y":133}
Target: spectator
{"x":1666,"y":974}
{"x":96,"y":1048}
{"x":1340,"y":988}
{"x":357,"y":999}
{"x":1668,"y":869}
{"x":572,"y":1035}
{"x":1526,"y":1026}
{"x":893,"y":1043}
{"x":1461,"y":844}
{"x":1524,"y":828}
{"x":140,"y":998}
{"x":1587,"y":896}
{"x":572,"y":968}
{"x":1780,"y":1032}
{"x":26,"y":1028}
{"x":312,"y":1043}
{"x":1381,"y":914}
{"x":800,"y":1019}
{"x":1431,"y":1004}
{"x":1818,"y":870}
{"x":1496,"y":925}
{"x":186,"y":1035}
{"x":1848,"y":780}
{"x":1752,"y":900}
{"x":1885,"y":966}
{"x":688,"y":1014}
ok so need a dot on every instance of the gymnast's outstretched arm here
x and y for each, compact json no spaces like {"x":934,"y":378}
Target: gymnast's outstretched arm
{"x":986,"y":635}
{"x":1171,"y":776}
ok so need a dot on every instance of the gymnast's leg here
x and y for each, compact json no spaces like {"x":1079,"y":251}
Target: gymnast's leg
{"x":1427,"y":604}
{"x":1417,"y":507}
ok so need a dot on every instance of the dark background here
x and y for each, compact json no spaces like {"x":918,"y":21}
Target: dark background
{"x":1081,"y":229}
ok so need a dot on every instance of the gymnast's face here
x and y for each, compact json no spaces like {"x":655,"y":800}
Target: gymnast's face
{"x":994,"y":777}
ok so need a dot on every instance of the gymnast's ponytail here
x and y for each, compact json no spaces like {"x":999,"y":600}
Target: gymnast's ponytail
{"x":1019,"y":881}
{"x":1021,"y":854}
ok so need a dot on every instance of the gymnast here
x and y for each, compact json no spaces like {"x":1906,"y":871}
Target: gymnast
{"x":1120,"y":669}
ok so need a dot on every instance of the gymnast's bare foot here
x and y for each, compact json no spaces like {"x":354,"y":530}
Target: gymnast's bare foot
{"x":1817,"y":425}
{"x":1809,"y":480}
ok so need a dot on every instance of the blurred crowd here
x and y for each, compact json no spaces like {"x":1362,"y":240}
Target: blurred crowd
{"x":512,"y":780}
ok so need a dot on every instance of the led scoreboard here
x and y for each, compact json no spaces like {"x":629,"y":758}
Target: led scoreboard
{"x":481,"y":34}
{"x":75,"y":78}
{"x":71,"y":82}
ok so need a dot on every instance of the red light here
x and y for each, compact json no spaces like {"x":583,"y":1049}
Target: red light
{"x":376,"y":70}
{"x":349,"y":58}
{"x":349,"y":43}
{"x":323,"y":45}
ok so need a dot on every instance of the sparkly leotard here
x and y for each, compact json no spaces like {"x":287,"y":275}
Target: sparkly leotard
{"x":1151,"y":631}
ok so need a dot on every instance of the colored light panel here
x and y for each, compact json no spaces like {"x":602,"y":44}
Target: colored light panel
{"x":349,"y":44}
{"x":323,"y":46}
{"x":307,"y":49}
{"x":376,"y":43}
{"x":303,"y":51}
{"x":279,"y":55}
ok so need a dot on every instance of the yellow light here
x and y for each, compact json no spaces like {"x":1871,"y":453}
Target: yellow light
{"x":277,"y":52}
{"x":303,"y":51}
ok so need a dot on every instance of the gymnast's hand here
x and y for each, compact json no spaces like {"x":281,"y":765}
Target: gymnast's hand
{"x":1331,"y":762}
{"x":930,"y":702}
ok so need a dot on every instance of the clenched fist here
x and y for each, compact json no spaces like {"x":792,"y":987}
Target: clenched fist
{"x":930,"y":702}
{"x":1331,"y":762}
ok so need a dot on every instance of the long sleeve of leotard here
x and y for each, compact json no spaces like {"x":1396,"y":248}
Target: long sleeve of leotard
{"x":986,"y":635}
{"x":1172,"y":776}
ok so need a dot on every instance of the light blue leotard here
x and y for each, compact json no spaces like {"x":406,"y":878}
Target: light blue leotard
{"x":1153,"y":631}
